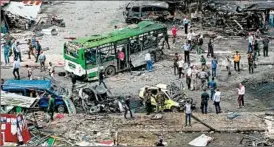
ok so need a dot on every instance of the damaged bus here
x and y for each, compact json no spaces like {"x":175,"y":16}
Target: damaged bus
{"x":86,"y":57}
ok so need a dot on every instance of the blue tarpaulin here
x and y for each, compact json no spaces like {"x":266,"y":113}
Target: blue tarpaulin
{"x":16,"y":84}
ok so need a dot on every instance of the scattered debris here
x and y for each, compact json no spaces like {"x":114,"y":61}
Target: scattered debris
{"x":202,"y":140}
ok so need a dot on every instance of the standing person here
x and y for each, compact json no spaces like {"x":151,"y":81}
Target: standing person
{"x":33,"y":41}
{"x":256,"y":48}
{"x":265,"y":47}
{"x":166,"y":40}
{"x":241,"y":93}
{"x":149,"y":62}
{"x":186,"y":21}
{"x":30,"y":52}
{"x":188,"y":113}
{"x":127,"y":107}
{"x":204,"y":101}
{"x":188,"y":77}
{"x":189,"y":37}
{"x":29,"y":72}
{"x":250,"y":63}
{"x":51,"y":70}
{"x":160,"y":100}
{"x":237,"y":58}
{"x":42,"y":60}
{"x":13,"y":47}
{"x":187,"y":50}
{"x":18,"y":52}
{"x":216,"y":100}
{"x":16,"y":66}
{"x":203,"y":61}
{"x":174,"y":33}
{"x":175,"y":63}
{"x":194,"y":80}
{"x":212,"y":85}
{"x":38,"y":49}
{"x":101,"y":78}
{"x":51,"y":106}
{"x":180,"y":67}
{"x":210,"y":48}
{"x":214,"y":63}
{"x":228,"y":65}
{"x":203,"y":76}
{"x":121,"y":58}
{"x":250,"y":42}
{"x":200,"y":43}
{"x":6,"y":53}
{"x":147,"y":97}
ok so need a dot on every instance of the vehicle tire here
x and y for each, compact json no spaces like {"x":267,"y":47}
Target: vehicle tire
{"x":61,"y":109}
{"x":174,"y":109}
{"x":134,"y":21}
{"x":61,"y":74}
{"x":110,"y":71}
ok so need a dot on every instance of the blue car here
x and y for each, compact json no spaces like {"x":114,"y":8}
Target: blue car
{"x":30,"y":87}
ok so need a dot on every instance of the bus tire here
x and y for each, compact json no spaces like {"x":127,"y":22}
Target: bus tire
{"x":110,"y":71}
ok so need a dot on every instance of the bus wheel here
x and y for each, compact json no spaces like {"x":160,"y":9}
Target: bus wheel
{"x":110,"y":71}
{"x":61,"y":109}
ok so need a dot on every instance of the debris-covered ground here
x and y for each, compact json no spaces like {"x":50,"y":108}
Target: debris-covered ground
{"x":86,"y":18}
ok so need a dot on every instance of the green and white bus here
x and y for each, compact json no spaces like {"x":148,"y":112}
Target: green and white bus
{"x":87,"y":56}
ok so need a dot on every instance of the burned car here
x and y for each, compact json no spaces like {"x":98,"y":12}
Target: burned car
{"x":143,"y":10}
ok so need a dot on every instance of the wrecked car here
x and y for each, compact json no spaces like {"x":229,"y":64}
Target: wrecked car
{"x":138,"y":11}
{"x":173,"y":103}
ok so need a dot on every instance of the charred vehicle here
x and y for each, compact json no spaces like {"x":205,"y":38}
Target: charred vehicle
{"x":138,"y":11}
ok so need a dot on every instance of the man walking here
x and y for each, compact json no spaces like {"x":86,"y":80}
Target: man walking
{"x":216,"y":100}
{"x":241,"y":93}
{"x":188,"y":113}
{"x":214,"y":63}
{"x":29,"y":72}
{"x":212,"y":85}
{"x":200,"y":43}
{"x":6,"y":53}
{"x":147,"y":97}
{"x":42,"y":60}
{"x":210,"y":48}
{"x":180,"y":67}
{"x":204,"y":101}
{"x":101,"y":78}
{"x":16,"y":66}
{"x":194,"y":77}
{"x":51,"y":106}
{"x":174,"y":33}
{"x":250,"y":63}
{"x":203,"y":61}
{"x":256,"y":48}
{"x":237,"y":59}
{"x":175,"y":63}
{"x":186,"y":21}
{"x":265,"y":48}
{"x":228,"y":65}
{"x":38,"y":49}
{"x":30,"y":52}
{"x":187,"y":50}
{"x":127,"y":107}
{"x":51,"y":70}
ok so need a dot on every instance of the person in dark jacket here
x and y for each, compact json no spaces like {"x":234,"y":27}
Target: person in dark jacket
{"x":38,"y":49}
{"x":73,"y":81}
{"x":210,"y":48}
{"x":204,"y":101}
{"x":265,"y":48}
{"x":175,"y":63}
{"x":127,"y":107}
{"x":250,"y":63}
{"x":51,"y":106}
{"x":101,"y":78}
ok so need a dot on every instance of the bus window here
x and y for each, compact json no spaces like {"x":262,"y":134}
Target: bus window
{"x":106,"y":53}
{"x":71,"y":50}
{"x":90,"y":56}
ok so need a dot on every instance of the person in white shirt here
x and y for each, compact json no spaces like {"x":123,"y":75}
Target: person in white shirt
{"x":250,"y":42}
{"x":51,"y":70}
{"x":180,"y":66}
{"x":189,"y":36}
{"x":194,"y":78}
{"x":16,"y":66}
{"x":216,"y":100}
{"x":149,"y":61}
{"x":188,"y":77}
{"x":241,"y":93}
{"x":18,"y":52}
{"x":188,"y":113}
